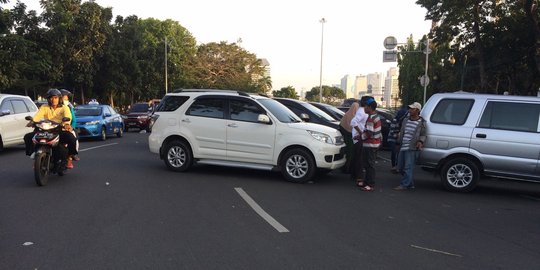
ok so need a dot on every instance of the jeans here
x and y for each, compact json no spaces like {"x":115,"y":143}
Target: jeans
{"x":406,"y":163}
{"x":347,"y":137}
{"x":394,"y":148}
{"x":357,"y":167}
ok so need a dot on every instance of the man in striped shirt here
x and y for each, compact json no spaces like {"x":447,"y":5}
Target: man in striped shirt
{"x":411,"y":137}
{"x":371,"y":139}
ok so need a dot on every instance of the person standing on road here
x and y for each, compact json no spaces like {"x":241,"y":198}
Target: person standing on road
{"x":358,"y":124}
{"x":346,"y":130}
{"x":371,"y":139}
{"x":395,"y":126}
{"x":411,"y":138}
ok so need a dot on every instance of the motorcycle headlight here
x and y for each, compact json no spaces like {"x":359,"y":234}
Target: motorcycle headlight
{"x":321,"y":137}
{"x":92,"y":122}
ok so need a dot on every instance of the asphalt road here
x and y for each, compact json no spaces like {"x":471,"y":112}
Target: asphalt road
{"x":120,"y":208}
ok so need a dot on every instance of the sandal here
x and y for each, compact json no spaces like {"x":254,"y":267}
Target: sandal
{"x":360,"y":183}
{"x":367,"y":188}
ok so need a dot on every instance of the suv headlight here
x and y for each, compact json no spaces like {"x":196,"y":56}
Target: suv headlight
{"x":321,"y":137}
{"x":339,"y":140}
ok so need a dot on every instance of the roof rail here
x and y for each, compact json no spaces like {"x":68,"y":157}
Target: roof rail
{"x":181,"y":90}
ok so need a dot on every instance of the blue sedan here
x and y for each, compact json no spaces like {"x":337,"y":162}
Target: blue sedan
{"x":98,"y":121}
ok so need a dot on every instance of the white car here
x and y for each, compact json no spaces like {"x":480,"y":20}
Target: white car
{"x":232,"y":128}
{"x":13,"y":110}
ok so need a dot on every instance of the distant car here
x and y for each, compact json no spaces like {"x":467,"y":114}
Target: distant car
{"x":13,"y":110}
{"x":98,"y":121}
{"x":308,"y":112}
{"x":330,"y":110}
{"x":138,"y":116}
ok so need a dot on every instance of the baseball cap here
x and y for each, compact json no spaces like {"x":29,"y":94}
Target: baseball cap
{"x":416,"y":105}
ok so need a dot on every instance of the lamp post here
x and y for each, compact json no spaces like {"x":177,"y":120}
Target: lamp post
{"x":426,"y":79}
{"x":322,"y":21}
{"x":166,"y":84}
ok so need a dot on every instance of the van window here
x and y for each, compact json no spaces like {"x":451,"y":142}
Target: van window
{"x":171,"y":103}
{"x":511,"y":116}
{"x":452,"y":111}
{"x":207,"y":107}
{"x":244,"y":110}
{"x":19,"y":106}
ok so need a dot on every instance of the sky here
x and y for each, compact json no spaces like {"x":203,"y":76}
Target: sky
{"x":288,"y":33}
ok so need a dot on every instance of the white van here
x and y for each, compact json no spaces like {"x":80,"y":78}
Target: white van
{"x":473,"y":135}
{"x":13,"y":110}
{"x":231,"y":128}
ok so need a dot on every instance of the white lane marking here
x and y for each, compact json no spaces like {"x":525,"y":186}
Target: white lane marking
{"x":86,"y":149}
{"x":280,"y":228}
{"x":437,"y":251}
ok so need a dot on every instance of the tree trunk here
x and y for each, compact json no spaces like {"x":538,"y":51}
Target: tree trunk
{"x":533,"y":53}
{"x":479,"y":48}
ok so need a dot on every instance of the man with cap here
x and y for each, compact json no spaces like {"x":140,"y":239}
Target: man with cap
{"x":411,"y":138}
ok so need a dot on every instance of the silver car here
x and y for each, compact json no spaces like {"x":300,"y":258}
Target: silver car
{"x":473,"y":135}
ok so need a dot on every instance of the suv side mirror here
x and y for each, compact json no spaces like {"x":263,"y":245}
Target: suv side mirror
{"x":29,"y":118}
{"x":263,"y":118}
{"x":5,"y":112}
{"x":304,"y":117}
{"x":106,"y":115}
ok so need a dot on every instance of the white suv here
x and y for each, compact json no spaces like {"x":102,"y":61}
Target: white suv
{"x":236,"y":129}
{"x":13,"y":110}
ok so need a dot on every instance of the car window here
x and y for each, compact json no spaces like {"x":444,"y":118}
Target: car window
{"x":207,"y":107}
{"x":106,"y":110}
{"x":30,"y":105}
{"x":318,"y":112}
{"x":244,"y":110}
{"x":6,"y":105}
{"x":171,"y":103}
{"x":280,"y":111}
{"x":111,"y":109}
{"x":19,"y":106}
{"x":452,"y":111}
{"x":505,"y":115}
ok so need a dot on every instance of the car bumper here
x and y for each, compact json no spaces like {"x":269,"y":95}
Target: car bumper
{"x":331,"y":157}
{"x":89,"y":131}
{"x":136,"y":123}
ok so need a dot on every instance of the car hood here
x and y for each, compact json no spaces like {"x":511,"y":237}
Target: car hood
{"x":315,"y":127}
{"x":134,"y":114}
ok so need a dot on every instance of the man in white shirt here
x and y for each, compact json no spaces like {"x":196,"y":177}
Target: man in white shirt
{"x":358,"y":124}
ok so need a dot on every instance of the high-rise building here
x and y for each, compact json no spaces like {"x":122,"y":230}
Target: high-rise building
{"x":360,"y":86}
{"x":391,"y":87}
{"x":375,"y":83}
{"x":347,"y":85}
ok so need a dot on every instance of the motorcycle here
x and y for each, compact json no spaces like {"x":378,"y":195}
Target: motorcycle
{"x":50,"y":156}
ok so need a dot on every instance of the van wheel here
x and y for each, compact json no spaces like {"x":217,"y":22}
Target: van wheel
{"x":460,"y":175}
{"x":298,"y":166}
{"x":178,"y":156}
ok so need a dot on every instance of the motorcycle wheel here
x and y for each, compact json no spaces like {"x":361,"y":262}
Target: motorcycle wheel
{"x":41,"y":168}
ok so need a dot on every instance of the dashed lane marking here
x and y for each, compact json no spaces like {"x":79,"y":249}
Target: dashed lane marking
{"x":273,"y":222}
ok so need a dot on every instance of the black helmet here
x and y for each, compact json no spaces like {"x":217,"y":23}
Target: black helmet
{"x":65,"y":92}
{"x":53,"y":92}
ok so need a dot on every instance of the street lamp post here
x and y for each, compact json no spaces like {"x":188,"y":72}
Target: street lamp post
{"x":166,"y":84}
{"x":322,"y":21}
{"x":426,"y":80}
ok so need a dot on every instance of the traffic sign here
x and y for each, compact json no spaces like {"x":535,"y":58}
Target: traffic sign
{"x":424,"y":80}
{"x":390,"y":56}
{"x":390,"y":43}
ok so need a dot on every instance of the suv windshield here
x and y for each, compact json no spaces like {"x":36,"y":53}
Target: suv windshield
{"x":282,"y":113}
{"x":318,"y":112}
{"x":139,"y":107}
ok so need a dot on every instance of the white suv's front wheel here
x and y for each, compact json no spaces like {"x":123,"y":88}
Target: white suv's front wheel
{"x":178,"y":156}
{"x":298,"y":166}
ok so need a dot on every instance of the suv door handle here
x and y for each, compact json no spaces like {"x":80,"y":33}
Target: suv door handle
{"x":232,"y":125}
{"x":479,"y":135}
{"x":186,"y":121}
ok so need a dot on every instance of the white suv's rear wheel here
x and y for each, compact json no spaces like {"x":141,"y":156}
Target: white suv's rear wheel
{"x":298,"y":166}
{"x":460,"y":174}
{"x":178,"y":156}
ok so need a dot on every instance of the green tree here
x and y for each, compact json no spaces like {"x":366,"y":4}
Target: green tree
{"x":330,"y":94}
{"x":286,"y":92}
{"x":227,"y":66}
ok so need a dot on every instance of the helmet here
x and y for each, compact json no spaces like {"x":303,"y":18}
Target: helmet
{"x":53,"y":92}
{"x":65,"y":92}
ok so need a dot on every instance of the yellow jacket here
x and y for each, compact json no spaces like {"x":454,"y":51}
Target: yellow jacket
{"x":56,"y":115}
